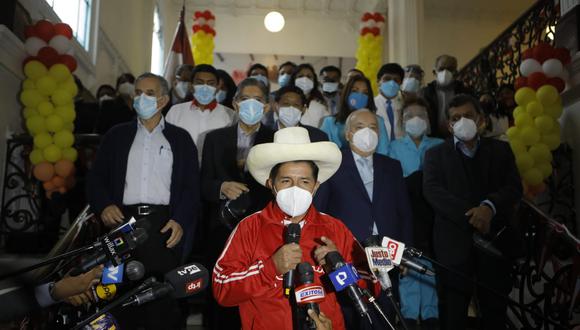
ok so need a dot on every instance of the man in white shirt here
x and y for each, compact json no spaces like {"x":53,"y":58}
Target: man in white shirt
{"x":204,"y":113}
{"x":389,"y":102}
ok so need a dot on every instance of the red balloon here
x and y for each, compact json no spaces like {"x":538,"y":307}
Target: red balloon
{"x":28,"y":59}
{"x":375,"y":31}
{"x":211,"y":31}
{"x":367,"y":16}
{"x":69,"y":61}
{"x":543,"y":51}
{"x":558,"y":83}
{"x":563,"y":54}
{"x":29,"y":31}
{"x":206,"y":14}
{"x":196,"y":28}
{"x":364,"y":31}
{"x":537,"y":80}
{"x":521,"y":82}
{"x":63,"y":29}
{"x":528,"y":53}
{"x":379,"y":17}
{"x":48,"y":56}
{"x":44,"y":30}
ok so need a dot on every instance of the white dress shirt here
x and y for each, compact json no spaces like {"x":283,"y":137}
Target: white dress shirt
{"x":367,"y":175}
{"x":199,"y":122}
{"x":397,"y":104}
{"x":314,"y":114}
{"x":245,"y":143}
{"x":149,"y":167}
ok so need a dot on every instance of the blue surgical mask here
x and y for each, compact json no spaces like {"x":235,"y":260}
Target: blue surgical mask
{"x":145,"y":106}
{"x":204,"y":94}
{"x":284,"y":79}
{"x":389,"y":88}
{"x":251,"y":111}
{"x":220,"y":96}
{"x":357,"y":100}
{"x":261,"y":78}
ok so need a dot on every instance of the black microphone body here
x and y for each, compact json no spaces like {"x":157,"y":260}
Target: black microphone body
{"x":292,"y":235}
{"x":156,"y":291}
{"x":306,"y":276}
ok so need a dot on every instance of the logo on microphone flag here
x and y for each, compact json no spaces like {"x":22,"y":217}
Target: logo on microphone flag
{"x":395,"y":249}
{"x":343,"y":277}
{"x":379,"y":258}
{"x":309,"y":293}
{"x":194,"y":286}
{"x":112,"y":274}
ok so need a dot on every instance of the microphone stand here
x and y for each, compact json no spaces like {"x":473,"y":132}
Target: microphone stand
{"x":147,"y":283}
{"x":418,"y":254}
{"x":373,"y":301}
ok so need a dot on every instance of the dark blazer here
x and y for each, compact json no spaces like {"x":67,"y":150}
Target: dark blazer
{"x":429,"y":93}
{"x":219,"y":164}
{"x":344,"y":196}
{"x":315,"y":134}
{"x":452,"y":187}
{"x":106,"y":180}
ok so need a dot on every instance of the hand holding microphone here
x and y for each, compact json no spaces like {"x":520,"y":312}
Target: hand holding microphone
{"x":289,"y":256}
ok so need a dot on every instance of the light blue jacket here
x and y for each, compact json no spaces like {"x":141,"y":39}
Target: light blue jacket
{"x":405,"y":151}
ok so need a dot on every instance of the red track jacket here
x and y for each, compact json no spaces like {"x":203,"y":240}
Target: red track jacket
{"x":245,"y":274}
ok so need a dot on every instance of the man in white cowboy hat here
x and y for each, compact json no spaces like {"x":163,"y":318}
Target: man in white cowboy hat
{"x":250,"y":270}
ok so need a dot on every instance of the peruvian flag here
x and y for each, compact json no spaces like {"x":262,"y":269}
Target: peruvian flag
{"x":180,"y":50}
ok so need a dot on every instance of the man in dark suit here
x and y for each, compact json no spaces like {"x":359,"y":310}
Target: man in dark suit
{"x":440,"y":91}
{"x":368,"y":194}
{"x":226,"y":180}
{"x":289,"y":106}
{"x":148,"y":169}
{"x":473,"y":185}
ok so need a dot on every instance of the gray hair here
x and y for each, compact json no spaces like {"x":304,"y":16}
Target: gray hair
{"x":164,"y":86}
{"x":252,"y":82}
{"x":352,"y":115}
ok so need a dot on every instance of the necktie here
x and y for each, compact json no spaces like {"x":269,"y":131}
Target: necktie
{"x":391,"y":116}
{"x":366,"y":174}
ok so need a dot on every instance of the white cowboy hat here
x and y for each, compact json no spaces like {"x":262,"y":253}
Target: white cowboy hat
{"x":291,"y":144}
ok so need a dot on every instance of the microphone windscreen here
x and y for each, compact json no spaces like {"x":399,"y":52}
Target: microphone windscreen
{"x":188,"y":280}
{"x":292,"y":234}
{"x":135,"y":270}
{"x":334,"y":259}
{"x":139,"y":235}
{"x":305,"y":273}
{"x":373,"y":240}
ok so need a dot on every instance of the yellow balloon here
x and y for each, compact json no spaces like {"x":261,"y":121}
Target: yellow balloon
{"x":45,"y":108}
{"x":544,"y":123}
{"x":35,"y":124}
{"x":34,"y":69}
{"x":52,"y":153}
{"x":64,"y":139}
{"x":36,"y":156}
{"x":70,"y":86}
{"x":554,"y":110}
{"x":67,"y":112}
{"x":525,"y":95}
{"x":534,"y":109}
{"x":42,"y":140}
{"x":545,"y":168}
{"x":524,"y":120}
{"x":29,"y":112}
{"x":533,"y":177}
{"x":519,"y":109}
{"x":70,"y":154}
{"x":69,"y":126}
{"x":59,"y":72}
{"x":31,"y":98}
{"x":61,"y":97}
{"x":54,"y":123}
{"x":28,"y":84}
{"x":530,"y":135}
{"x":540,"y":152}
{"x":46,"y":85}
{"x":551,"y":140}
{"x":513,"y":133}
{"x":547,"y":94}
{"x":524,"y":161}
{"x":517,"y":146}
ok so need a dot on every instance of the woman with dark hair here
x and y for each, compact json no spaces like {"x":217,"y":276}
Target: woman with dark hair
{"x":356,"y":95}
{"x":497,"y":119}
{"x":305,"y":78}
{"x":226,"y":89}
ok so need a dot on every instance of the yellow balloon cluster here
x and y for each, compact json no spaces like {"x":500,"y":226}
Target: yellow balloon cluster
{"x":47,"y":96}
{"x":536,"y":132}
{"x":369,"y":56}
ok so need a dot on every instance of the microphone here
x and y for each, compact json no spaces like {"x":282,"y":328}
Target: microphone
{"x":344,"y":277}
{"x":180,"y":282}
{"x":379,"y":263}
{"x":395,"y":251}
{"x":292,"y":235}
{"x":113,"y":278}
{"x":113,"y":247}
{"x":308,"y":294}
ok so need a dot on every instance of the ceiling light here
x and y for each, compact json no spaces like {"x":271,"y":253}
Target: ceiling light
{"x":274,"y":21}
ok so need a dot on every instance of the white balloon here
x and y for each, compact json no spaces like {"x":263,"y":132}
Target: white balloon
{"x":60,"y":43}
{"x":200,"y":21}
{"x":530,"y":66}
{"x":211,"y":22}
{"x":552,"y":67}
{"x":33,"y":45}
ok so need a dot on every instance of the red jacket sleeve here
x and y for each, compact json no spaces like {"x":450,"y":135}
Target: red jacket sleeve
{"x":236,"y":276}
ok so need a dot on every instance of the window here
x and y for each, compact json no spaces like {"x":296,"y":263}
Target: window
{"x":157,"y":44}
{"x":77,"y":14}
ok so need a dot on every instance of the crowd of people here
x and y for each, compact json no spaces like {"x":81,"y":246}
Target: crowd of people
{"x":217,"y":170}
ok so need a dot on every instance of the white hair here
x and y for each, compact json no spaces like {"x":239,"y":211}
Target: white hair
{"x":350,"y":117}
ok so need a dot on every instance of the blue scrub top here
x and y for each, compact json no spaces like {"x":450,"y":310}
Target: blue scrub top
{"x":405,"y":151}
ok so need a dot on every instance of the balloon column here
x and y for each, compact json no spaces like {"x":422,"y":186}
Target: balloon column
{"x":369,"y":54}
{"x":537,"y":131}
{"x":47,"y":95}
{"x":202,"y":37}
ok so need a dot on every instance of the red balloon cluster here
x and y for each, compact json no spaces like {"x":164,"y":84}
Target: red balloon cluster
{"x":50,"y":44}
{"x":377,"y":17}
{"x":204,"y":21}
{"x":206,"y":14}
{"x":372,"y":24}
{"x":543,"y":65}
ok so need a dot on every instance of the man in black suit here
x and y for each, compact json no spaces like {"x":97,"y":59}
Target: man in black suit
{"x":225,"y":179}
{"x":473,"y":185}
{"x":289,"y":107}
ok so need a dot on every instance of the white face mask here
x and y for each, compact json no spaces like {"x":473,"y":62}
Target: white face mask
{"x":444,"y":77}
{"x":416,"y":126}
{"x":127,"y":88}
{"x":181,"y":89}
{"x":411,"y":85}
{"x":305,"y":84}
{"x":294,"y":201}
{"x":465,"y":129}
{"x":289,"y":116}
{"x":366,"y":140}
{"x":329,"y":87}
{"x":105,"y":98}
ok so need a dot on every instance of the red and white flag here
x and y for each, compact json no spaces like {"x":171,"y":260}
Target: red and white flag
{"x":180,"y":52}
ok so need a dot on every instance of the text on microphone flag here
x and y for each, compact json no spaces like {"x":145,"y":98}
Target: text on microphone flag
{"x":309,"y":294}
{"x":189,"y":270}
{"x":193,"y":286}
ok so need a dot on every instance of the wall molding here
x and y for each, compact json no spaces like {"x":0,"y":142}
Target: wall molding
{"x":12,"y":53}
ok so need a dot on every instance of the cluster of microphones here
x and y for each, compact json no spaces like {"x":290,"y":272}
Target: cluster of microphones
{"x":383,"y":254}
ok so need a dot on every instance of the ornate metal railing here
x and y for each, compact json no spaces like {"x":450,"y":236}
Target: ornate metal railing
{"x":498,"y":63}
{"x":24,"y":210}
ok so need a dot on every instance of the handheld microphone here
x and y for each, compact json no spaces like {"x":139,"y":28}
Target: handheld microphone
{"x":396,"y":250}
{"x":344,"y":277}
{"x":181,"y":282}
{"x":113,"y":278}
{"x":379,"y":262}
{"x":113,"y":248}
{"x":307,"y":293}
{"x":292,"y":235}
